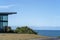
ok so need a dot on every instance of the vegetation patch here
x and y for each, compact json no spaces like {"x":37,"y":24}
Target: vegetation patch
{"x":20,"y":30}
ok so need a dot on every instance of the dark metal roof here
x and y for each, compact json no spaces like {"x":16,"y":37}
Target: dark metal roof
{"x":7,"y":13}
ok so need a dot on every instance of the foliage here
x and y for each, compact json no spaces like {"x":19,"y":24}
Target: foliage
{"x":22,"y":30}
{"x":25,"y":30}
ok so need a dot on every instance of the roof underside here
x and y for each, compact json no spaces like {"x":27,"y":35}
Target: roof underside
{"x":7,"y":13}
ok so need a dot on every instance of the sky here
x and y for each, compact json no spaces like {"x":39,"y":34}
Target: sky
{"x":41,"y":14}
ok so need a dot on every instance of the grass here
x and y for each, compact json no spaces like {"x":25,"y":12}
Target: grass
{"x":7,"y":36}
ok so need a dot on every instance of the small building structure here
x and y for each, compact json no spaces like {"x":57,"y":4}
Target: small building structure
{"x":4,"y":18}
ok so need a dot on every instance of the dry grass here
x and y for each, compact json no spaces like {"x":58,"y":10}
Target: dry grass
{"x":19,"y":36}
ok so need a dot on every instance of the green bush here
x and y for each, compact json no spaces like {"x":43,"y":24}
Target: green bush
{"x":25,"y":30}
{"x":22,"y":30}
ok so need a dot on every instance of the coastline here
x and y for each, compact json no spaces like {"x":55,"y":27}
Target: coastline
{"x":12,"y":36}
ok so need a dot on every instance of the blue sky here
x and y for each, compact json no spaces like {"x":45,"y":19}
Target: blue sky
{"x":32,"y":12}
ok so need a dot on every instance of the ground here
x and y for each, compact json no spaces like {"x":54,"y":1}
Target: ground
{"x":19,"y":36}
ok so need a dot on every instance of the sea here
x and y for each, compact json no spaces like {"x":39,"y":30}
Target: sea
{"x":50,"y":33}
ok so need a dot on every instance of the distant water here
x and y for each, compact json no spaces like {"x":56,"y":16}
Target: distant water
{"x":53,"y":33}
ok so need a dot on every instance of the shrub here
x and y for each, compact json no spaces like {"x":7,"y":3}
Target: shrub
{"x":25,"y":30}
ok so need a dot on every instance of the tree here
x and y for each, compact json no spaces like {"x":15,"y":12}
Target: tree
{"x":25,"y":30}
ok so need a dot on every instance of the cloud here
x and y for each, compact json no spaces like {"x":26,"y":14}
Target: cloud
{"x":6,"y":6}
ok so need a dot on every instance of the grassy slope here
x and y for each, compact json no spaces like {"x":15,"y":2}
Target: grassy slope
{"x":19,"y":36}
